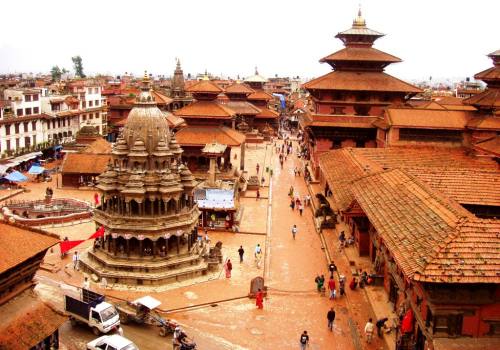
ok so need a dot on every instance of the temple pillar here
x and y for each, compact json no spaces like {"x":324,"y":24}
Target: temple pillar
{"x":154,"y":249}
{"x":167,"y":241}
{"x":140,"y":249}
{"x":177,"y":243}
{"x":152,"y":209}
{"x":128,"y":247}
{"x":115,"y":241}
{"x":189,"y":241}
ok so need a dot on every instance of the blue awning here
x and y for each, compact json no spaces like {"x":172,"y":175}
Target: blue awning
{"x":58,"y":147}
{"x":16,"y":176}
{"x":36,"y":169}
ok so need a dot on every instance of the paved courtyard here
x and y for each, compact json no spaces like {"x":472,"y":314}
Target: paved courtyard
{"x":216,"y":310}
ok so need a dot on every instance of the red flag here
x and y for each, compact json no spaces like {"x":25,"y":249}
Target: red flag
{"x":68,"y":245}
{"x":98,"y":233}
{"x":407,"y":324}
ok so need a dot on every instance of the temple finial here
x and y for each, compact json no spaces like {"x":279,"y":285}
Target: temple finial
{"x":359,"y":21}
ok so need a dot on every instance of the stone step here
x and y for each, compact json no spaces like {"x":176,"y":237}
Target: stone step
{"x":111,"y":263}
{"x":147,"y":278}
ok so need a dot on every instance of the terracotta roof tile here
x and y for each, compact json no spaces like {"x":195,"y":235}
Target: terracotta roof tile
{"x":84,"y":163}
{"x":485,"y":123}
{"x":205,"y":109}
{"x":26,"y":321}
{"x":19,"y":243}
{"x":492,"y":73}
{"x":238,"y":88}
{"x":427,"y":118}
{"x":465,"y":185}
{"x":470,"y":254}
{"x":360,"y":54}
{"x":360,"y":81}
{"x":99,"y":146}
{"x":465,"y":179}
{"x":489,"y":98}
{"x":242,"y":107}
{"x":267,"y":113}
{"x":204,"y":86}
{"x":260,"y":96}
{"x":192,"y":135}
{"x":411,"y":218}
{"x":491,"y":146}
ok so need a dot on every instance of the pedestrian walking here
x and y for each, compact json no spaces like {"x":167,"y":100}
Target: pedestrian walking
{"x":290,"y":192}
{"x":76,"y":260}
{"x":241,"y":251}
{"x":369,"y":331}
{"x":259,"y":299}
{"x":342,"y":285}
{"x":294,"y":231}
{"x":228,"y":266}
{"x":301,"y":208}
{"x":330,"y":316}
{"x":86,"y":283}
{"x":331,"y":287}
{"x":257,"y":196}
{"x":292,"y":204}
{"x":332,"y":268}
{"x":257,"y":168}
{"x":258,"y":249}
{"x":304,"y":340}
{"x":381,"y":325}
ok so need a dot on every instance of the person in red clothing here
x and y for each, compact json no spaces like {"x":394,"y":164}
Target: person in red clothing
{"x":259,"y":299}
{"x":228,"y":267}
{"x":331,"y":287}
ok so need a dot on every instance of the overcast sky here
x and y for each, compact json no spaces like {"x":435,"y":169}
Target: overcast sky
{"x":439,"y":38}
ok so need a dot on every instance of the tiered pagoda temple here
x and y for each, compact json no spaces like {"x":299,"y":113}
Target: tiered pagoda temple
{"x":260,"y":99}
{"x":209,"y":121}
{"x":349,"y":99}
{"x":147,"y":209}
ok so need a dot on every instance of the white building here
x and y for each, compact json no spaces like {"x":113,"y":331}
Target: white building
{"x":21,"y":121}
{"x":92,"y":104}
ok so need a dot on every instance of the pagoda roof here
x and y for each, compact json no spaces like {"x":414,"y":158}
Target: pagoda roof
{"x":242,"y":107}
{"x":267,"y":113}
{"x":491,"y":145}
{"x":205,"y":109}
{"x":360,"y":30}
{"x":260,"y":95}
{"x":360,"y":81}
{"x":492,"y":73}
{"x":238,"y":88}
{"x":204,"y":86}
{"x":256,"y":78}
{"x":361,"y":54}
{"x":489,"y":98}
{"x":489,"y":122}
{"x":427,"y":118}
{"x":200,"y":135}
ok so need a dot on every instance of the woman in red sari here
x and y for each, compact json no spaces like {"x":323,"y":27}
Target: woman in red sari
{"x":228,"y":267}
{"x":259,"y":299}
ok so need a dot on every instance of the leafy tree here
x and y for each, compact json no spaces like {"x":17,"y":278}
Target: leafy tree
{"x":78,"y":66}
{"x":56,"y":73}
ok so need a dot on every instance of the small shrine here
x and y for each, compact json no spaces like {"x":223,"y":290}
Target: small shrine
{"x":217,"y":199}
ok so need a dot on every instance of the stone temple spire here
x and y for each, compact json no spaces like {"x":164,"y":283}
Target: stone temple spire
{"x":178,"y":89}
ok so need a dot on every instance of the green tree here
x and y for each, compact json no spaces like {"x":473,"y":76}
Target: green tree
{"x":78,"y":66}
{"x":56,"y":73}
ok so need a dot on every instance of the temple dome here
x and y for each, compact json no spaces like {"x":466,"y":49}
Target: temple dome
{"x":146,"y":123}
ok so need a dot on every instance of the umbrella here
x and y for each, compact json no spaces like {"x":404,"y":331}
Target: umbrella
{"x":35,"y":169}
{"x":16,"y":176}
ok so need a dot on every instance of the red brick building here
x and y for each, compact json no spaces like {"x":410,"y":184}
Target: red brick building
{"x":427,"y":219}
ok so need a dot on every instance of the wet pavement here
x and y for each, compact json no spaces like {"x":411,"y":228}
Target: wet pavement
{"x":216,"y":312}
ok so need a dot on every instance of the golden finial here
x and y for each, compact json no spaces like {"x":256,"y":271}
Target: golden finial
{"x":359,"y":21}
{"x":256,"y":71}
{"x":205,"y":77}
